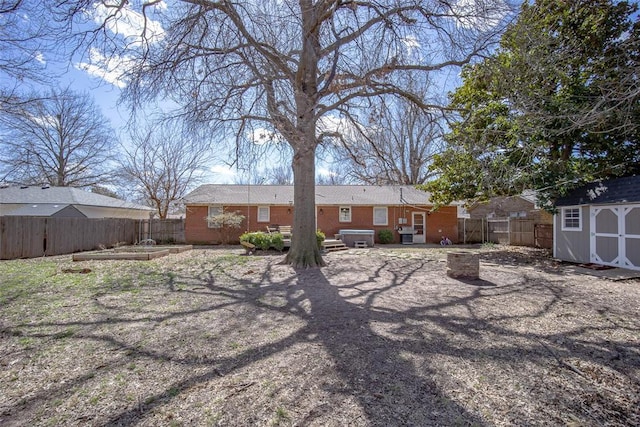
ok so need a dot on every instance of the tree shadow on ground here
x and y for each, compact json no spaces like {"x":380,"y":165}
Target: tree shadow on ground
{"x":381,"y":332}
{"x":387,"y":386}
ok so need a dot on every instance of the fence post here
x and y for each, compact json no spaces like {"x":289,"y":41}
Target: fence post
{"x":464,"y":228}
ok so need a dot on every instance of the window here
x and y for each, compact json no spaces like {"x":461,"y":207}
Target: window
{"x":263,"y":214}
{"x":380,"y":216}
{"x":213,"y":211}
{"x":345,"y":214}
{"x":571,"y":219}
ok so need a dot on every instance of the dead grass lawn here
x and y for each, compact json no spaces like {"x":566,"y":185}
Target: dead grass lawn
{"x":379,"y":337}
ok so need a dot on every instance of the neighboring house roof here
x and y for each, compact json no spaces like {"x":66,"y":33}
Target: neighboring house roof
{"x":364,"y":195}
{"x":527,"y":195}
{"x":48,"y":210}
{"x":530,"y":196}
{"x":63,"y":196}
{"x":618,"y":190}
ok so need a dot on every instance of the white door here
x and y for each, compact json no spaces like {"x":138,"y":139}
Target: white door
{"x":615,"y":236}
{"x":418,"y":227}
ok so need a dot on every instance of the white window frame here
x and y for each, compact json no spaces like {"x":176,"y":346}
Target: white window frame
{"x":210,"y":212}
{"x":347,"y":216}
{"x":521,"y":214}
{"x":262,"y":217}
{"x":571,"y":210}
{"x":386,"y":215}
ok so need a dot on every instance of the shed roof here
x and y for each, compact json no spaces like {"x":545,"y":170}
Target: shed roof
{"x":63,"y":196}
{"x":363,"y":195}
{"x":617,"y":190}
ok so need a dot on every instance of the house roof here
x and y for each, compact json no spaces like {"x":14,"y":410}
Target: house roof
{"x":364,"y":195}
{"x":62,"y":196}
{"x":618,"y":190}
{"x":529,"y":196}
{"x":46,"y":209}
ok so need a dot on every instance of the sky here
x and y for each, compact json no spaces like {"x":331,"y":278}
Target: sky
{"x":99,"y":76}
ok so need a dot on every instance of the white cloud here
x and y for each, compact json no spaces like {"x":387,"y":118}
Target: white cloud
{"x":45,"y":121}
{"x":40,"y":58}
{"x":129,"y":23}
{"x":223,"y":174}
{"x":411,"y":43}
{"x":480,"y":14}
{"x":341,"y":128}
{"x":261,"y":136}
{"x":162,"y":5}
{"x":322,"y":171}
{"x":108,"y":69}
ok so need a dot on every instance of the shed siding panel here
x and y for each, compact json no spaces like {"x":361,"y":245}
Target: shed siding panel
{"x":573,"y":245}
{"x":607,"y":248}
{"x":607,"y":222}
{"x":632,"y":221}
{"x":632,"y":248}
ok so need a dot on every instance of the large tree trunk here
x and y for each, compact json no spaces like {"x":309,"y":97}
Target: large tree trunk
{"x":304,"y":251}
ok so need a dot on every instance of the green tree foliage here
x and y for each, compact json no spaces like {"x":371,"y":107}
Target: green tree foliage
{"x":556,"y":105}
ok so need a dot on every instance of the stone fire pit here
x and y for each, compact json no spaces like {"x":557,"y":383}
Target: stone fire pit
{"x":463,"y":265}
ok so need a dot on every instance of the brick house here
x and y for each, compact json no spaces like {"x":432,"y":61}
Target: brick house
{"x":522,"y":206}
{"x":338,"y":207}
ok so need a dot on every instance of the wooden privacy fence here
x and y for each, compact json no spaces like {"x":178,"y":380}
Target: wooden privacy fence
{"x":498,"y":231}
{"x":543,"y":235}
{"x":472,"y":230}
{"x":30,"y":237}
{"x":508,"y":231}
{"x":162,"y":230}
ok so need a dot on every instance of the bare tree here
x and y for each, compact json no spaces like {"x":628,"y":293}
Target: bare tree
{"x":21,"y":39}
{"x":395,"y":148}
{"x":163,"y":163}
{"x":334,"y":176}
{"x":61,"y":139}
{"x":283,"y":65}
{"x":30,"y":48}
{"x":280,"y":175}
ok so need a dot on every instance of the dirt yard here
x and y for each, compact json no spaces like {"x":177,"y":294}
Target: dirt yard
{"x":378,"y":337}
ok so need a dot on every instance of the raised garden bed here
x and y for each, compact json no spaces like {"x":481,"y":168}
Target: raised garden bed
{"x":174,"y":249}
{"x":110,"y":254}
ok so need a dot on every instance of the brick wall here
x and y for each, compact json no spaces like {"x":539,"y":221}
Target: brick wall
{"x":361,"y":219}
{"x":502,"y":207}
{"x":443,"y":222}
{"x":440,"y":223}
{"x":198,"y":232}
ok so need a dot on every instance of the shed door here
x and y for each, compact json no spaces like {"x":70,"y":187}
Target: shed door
{"x":615,"y":236}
